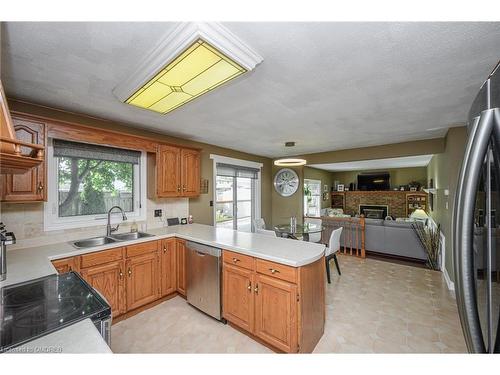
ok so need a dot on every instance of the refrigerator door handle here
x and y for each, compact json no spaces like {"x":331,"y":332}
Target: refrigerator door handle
{"x":463,"y":226}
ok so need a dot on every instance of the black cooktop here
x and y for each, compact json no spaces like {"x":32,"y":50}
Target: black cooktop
{"x":35,"y":308}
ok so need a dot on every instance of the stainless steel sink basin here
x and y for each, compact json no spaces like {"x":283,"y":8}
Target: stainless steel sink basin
{"x":130,"y":236}
{"x":93,"y":242}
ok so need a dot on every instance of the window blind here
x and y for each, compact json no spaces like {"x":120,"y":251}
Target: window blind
{"x":89,"y":151}
{"x":228,"y":170}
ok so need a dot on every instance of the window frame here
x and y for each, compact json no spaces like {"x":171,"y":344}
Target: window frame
{"x":52,"y":221}
{"x":306,"y":211}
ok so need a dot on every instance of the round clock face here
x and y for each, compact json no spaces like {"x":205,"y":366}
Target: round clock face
{"x":286,"y":182}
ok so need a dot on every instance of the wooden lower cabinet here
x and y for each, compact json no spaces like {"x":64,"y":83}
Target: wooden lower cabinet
{"x":108,"y":279}
{"x":287,"y":315}
{"x":142,"y":280}
{"x":276,"y":312}
{"x":181,"y":266}
{"x":238,"y":296}
{"x":168,"y":267}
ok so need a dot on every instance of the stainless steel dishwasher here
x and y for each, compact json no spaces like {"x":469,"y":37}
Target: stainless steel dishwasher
{"x":204,"y":278}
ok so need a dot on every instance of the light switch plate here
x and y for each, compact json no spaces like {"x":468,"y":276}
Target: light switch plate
{"x":158,"y":213}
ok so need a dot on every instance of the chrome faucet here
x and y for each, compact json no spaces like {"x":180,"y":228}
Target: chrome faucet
{"x":109,"y":228}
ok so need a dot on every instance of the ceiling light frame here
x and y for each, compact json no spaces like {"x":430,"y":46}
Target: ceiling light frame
{"x":290,"y":162}
{"x":175,"y":42}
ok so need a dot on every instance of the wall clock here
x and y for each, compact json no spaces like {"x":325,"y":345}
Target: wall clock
{"x":286,"y":182}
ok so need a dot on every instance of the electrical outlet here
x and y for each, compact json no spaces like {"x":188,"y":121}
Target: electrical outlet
{"x":158,"y":213}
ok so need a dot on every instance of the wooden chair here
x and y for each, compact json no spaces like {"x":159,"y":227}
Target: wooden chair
{"x":331,"y":251}
{"x":266,"y":232}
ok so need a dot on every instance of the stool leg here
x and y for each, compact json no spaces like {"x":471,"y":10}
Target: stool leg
{"x":327,"y":263}
{"x":336,"y":263}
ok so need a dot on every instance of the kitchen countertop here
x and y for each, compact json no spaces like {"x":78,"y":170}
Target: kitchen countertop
{"x":81,"y":337}
{"x":34,"y":262}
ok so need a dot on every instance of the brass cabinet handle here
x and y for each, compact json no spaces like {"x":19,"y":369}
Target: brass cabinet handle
{"x":164,"y":249}
{"x":40,"y":186}
{"x":273,"y":271}
{"x":178,"y":188}
{"x":249,"y":287}
{"x":183,"y":187}
{"x":256,"y":289}
{"x":121,"y":274}
{"x":129,"y":272}
{"x":235,"y":260}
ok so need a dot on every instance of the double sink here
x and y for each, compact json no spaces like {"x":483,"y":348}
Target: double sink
{"x":104,"y":240}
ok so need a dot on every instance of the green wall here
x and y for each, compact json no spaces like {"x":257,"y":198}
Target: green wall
{"x":285,"y":207}
{"x":444,"y":169}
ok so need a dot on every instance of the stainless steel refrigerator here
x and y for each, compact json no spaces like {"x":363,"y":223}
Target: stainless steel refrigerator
{"x":476,"y":223}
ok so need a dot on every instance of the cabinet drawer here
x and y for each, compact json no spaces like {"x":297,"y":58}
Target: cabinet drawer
{"x":101,"y":257}
{"x":276,"y":270}
{"x":143,"y":248}
{"x":239,"y":260}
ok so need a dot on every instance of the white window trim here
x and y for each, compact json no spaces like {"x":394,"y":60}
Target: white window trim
{"x":240,"y":163}
{"x":51,"y":221}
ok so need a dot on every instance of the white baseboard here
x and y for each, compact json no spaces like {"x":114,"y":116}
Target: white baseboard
{"x":451,"y":284}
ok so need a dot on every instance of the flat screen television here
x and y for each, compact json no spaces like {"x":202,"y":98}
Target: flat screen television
{"x":374,"y":181}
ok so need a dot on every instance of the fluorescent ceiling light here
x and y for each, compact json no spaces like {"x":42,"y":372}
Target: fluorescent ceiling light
{"x":192,"y":60}
{"x":290,"y":162}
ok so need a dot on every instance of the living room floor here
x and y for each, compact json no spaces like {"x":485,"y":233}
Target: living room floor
{"x":374,"y":307}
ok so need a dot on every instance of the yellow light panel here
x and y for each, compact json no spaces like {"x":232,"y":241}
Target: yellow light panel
{"x":197,"y":70}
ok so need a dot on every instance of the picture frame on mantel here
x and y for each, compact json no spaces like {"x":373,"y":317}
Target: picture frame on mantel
{"x":340,"y":187}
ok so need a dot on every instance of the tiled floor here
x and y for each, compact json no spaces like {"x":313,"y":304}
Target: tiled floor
{"x":374,"y":307}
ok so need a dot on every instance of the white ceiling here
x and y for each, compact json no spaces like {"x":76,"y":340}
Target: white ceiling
{"x":403,"y":162}
{"x":326,"y":86}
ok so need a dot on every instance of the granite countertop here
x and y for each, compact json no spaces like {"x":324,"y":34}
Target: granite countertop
{"x":34,"y":262}
{"x":81,"y":337}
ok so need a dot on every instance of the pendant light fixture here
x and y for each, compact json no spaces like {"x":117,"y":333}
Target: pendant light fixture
{"x":290,"y":162}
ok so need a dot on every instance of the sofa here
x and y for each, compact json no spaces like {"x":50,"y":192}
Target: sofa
{"x":393,"y":238}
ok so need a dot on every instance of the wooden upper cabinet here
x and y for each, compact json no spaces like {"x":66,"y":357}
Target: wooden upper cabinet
{"x":142,"y":280}
{"x":168,"y":277}
{"x":181,"y":266}
{"x":108,"y":279}
{"x":238,"y":296}
{"x":168,"y":166}
{"x":29,"y":186}
{"x":190,"y":172}
{"x":276,"y":312}
{"x":173,"y":172}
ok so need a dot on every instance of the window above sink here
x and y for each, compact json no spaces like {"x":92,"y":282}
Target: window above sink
{"x":86,"y":180}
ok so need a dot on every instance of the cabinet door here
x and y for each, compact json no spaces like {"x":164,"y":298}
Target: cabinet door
{"x":238,"y":296}
{"x":29,"y":186}
{"x":168,"y":180}
{"x":66,"y":265}
{"x":190,"y":172}
{"x":276,"y":312}
{"x":168,"y":278}
{"x":181,"y":267}
{"x":142,"y":280}
{"x":108,"y":280}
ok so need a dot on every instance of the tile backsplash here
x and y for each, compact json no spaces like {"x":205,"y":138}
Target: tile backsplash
{"x":26,"y":221}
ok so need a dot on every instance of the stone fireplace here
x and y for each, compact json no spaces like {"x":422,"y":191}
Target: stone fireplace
{"x":373,"y":211}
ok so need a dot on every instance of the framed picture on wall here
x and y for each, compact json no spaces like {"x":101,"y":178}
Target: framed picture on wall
{"x":325,"y":188}
{"x":340,"y":187}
